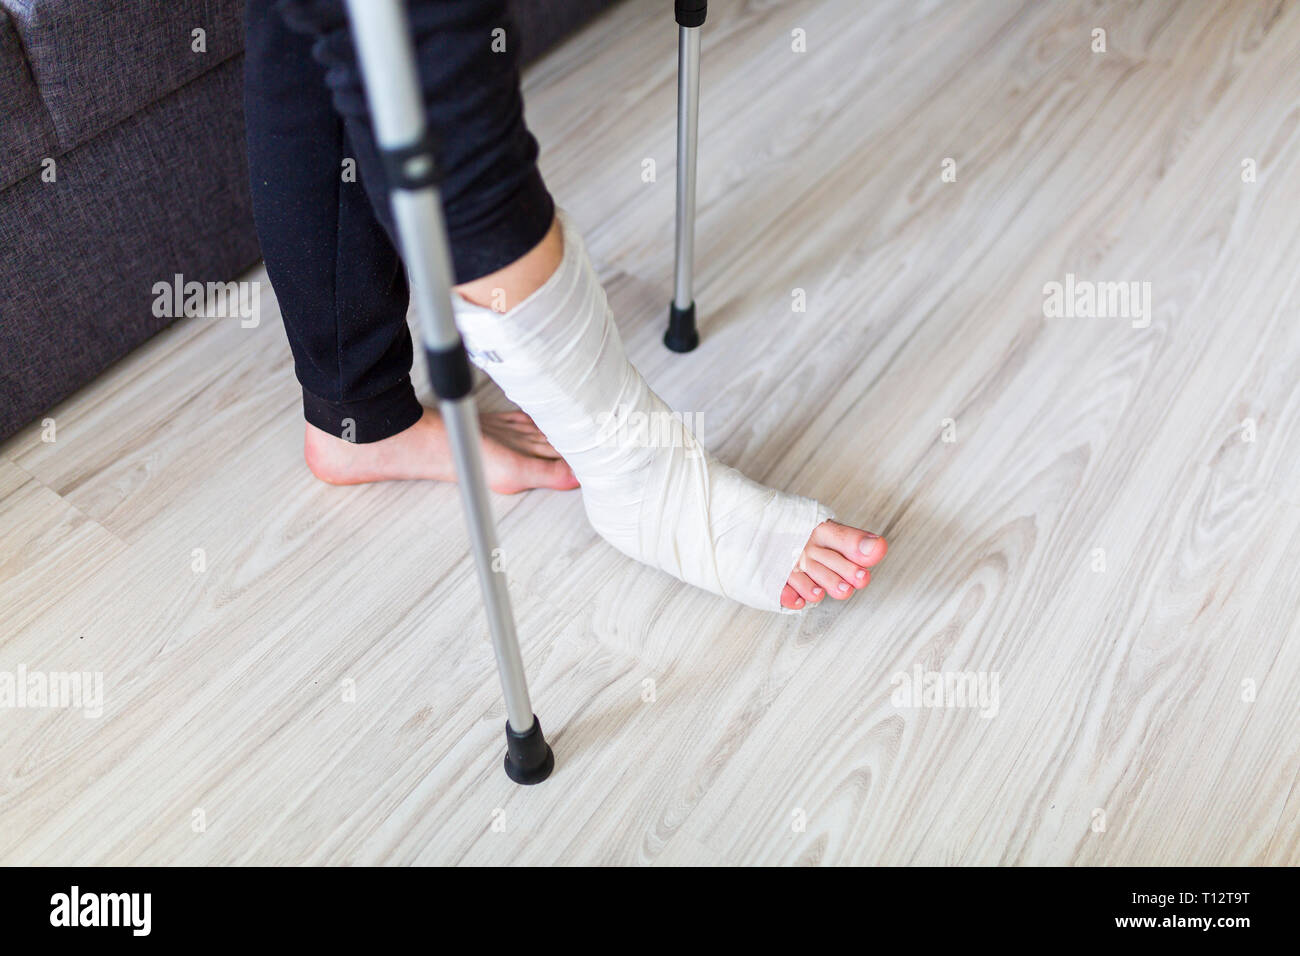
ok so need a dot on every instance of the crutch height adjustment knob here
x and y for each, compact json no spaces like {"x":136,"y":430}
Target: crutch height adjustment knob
{"x":412,"y":167}
{"x":449,"y":372}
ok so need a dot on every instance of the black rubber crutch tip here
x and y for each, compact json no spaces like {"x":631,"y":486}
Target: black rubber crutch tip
{"x":682,"y":336}
{"x":529,"y":759}
{"x":691,"y":13}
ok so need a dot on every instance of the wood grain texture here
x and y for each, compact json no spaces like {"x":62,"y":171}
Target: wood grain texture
{"x":1113,"y":534}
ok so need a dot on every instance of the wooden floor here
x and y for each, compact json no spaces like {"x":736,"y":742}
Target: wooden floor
{"x":1104,"y":519}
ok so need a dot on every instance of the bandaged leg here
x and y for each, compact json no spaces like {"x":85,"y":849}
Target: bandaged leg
{"x":650,"y":489}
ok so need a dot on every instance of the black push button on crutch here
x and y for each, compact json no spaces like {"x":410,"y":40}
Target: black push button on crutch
{"x":682,"y":335}
{"x":386,"y":53}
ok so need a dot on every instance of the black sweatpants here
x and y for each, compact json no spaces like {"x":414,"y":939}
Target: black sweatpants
{"x":320,"y":200}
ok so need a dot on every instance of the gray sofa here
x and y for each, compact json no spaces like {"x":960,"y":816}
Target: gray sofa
{"x":122,"y":160}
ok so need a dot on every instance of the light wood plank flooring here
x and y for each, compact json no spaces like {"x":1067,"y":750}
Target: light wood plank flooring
{"x":1105,"y":519}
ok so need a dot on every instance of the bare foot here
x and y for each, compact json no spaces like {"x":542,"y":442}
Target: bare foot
{"x":836,"y":560}
{"x":516,"y":455}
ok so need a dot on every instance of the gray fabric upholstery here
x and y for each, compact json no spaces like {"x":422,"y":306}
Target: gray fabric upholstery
{"x":163,"y":192}
{"x":543,"y":23}
{"x":26,"y":133}
{"x":98,"y":61}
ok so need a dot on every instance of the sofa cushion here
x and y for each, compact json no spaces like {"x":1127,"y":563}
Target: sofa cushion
{"x":96,"y":62}
{"x":543,"y":23}
{"x":163,"y":192}
{"x":26,"y":133}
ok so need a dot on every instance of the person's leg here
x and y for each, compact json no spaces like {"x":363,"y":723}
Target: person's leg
{"x":339,"y":281}
{"x":496,"y":206}
{"x":547,"y":336}
{"x":341,"y":287}
{"x":520,"y":279}
{"x":649,"y":487}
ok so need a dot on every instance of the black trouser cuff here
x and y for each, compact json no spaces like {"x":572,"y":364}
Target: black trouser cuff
{"x":367,"y":420}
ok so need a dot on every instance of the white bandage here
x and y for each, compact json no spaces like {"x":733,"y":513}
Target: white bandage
{"x":650,"y":489}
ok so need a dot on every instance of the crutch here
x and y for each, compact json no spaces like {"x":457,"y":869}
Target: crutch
{"x":386,"y":54}
{"x":682,"y":335}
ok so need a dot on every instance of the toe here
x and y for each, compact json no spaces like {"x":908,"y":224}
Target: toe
{"x":521,"y":423}
{"x":526,"y":472}
{"x":526,"y":436}
{"x":555,"y":473}
{"x":834,"y":585}
{"x":790,"y":598}
{"x":539,"y":446}
{"x":806,"y":587}
{"x":857,"y":577}
{"x":861,"y":547}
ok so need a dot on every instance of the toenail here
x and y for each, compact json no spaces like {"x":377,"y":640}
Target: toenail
{"x":842,"y":586}
{"x":817,"y":591}
{"x":798,"y":602}
{"x":866,"y":545}
{"x":861,"y":575}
